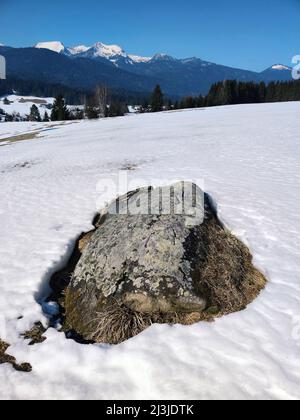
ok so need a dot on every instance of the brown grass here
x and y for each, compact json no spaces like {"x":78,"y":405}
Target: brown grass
{"x":117,"y":323}
{"x":34,"y":101}
{"x":20,"y":137}
{"x":33,"y":135}
{"x":226,"y":275}
{"x":6,"y":358}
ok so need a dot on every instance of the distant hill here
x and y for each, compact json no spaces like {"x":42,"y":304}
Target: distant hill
{"x":277,"y":72}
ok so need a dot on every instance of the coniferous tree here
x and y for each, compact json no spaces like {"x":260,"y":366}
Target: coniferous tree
{"x":77,"y":114}
{"x":145,"y":107}
{"x":211,"y":98}
{"x":262,"y":92}
{"x":46,"y":117}
{"x":34,"y":114}
{"x":169,"y":105}
{"x":189,"y":102}
{"x":176,"y":105}
{"x":59,"y":111}
{"x":157,"y":100}
{"x":117,"y":109}
{"x":8,"y":118}
{"x":201,"y":102}
{"x":91,"y":111}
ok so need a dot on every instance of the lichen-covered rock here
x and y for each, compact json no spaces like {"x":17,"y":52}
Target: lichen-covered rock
{"x":158,"y":255}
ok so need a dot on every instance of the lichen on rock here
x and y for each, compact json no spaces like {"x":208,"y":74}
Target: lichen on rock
{"x":158,"y":255}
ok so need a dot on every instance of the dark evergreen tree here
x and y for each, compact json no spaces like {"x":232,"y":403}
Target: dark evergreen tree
{"x":46,"y":117}
{"x":145,"y":107}
{"x":117,"y":109}
{"x":201,"y":102}
{"x":91,"y":111}
{"x":233,"y":92}
{"x":176,"y":105}
{"x":169,"y":105}
{"x":189,"y":102}
{"x":8,"y":118}
{"x":77,"y":114}
{"x":157,"y":100}
{"x":262,"y":92}
{"x":212,"y":97}
{"x":59,"y":111}
{"x":34,"y":114}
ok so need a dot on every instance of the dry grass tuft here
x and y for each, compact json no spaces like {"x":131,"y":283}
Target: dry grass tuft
{"x":6,"y":358}
{"x":226,"y":275}
{"x":117,"y":324}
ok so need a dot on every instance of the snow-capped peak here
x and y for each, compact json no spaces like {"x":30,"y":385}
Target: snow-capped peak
{"x":165,"y":57}
{"x":55,"y":46}
{"x":107,"y":51}
{"x":280,"y":67}
{"x":138,"y":59}
{"x":98,"y":50}
{"x":79,"y":49}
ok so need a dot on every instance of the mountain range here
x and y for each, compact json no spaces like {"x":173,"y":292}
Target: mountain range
{"x":86,"y":66}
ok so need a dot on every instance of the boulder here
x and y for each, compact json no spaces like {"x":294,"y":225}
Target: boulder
{"x":158,"y":255}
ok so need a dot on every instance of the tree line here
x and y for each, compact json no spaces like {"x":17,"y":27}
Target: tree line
{"x":100,"y":104}
{"x":228,"y":92}
{"x":41,"y":90}
{"x":72,"y":96}
{"x":97,"y":106}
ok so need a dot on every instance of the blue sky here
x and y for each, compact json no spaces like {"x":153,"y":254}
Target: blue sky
{"x":247,"y":34}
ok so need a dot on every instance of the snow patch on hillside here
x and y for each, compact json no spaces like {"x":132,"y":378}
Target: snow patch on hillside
{"x":22,"y":104}
{"x":280,"y":67}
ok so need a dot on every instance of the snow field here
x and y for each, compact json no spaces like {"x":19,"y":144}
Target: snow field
{"x":248,"y":157}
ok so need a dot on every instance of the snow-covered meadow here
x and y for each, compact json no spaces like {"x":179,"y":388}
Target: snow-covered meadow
{"x":248,"y":157}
